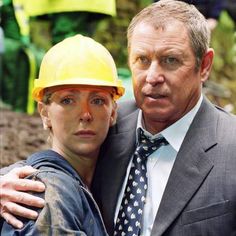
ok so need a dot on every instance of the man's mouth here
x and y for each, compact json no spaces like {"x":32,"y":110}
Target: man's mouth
{"x":155,"y":96}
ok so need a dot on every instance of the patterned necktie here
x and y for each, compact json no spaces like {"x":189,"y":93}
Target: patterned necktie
{"x":130,"y":214}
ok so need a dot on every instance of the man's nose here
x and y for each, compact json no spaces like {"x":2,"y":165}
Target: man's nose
{"x":155,"y":74}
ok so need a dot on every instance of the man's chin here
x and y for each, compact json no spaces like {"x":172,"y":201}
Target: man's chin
{"x":158,"y":115}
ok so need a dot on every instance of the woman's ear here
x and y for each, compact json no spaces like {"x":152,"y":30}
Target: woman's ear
{"x":113,"y":114}
{"x":206,"y":65}
{"x":43,"y":111}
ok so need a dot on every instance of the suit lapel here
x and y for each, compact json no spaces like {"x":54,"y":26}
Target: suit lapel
{"x":118,"y":151}
{"x":192,"y":165}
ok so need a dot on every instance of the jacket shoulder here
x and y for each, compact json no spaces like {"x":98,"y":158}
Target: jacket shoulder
{"x":126,"y":108}
{"x":226,"y":125}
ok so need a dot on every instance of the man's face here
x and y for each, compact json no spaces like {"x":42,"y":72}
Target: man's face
{"x":165,"y":81}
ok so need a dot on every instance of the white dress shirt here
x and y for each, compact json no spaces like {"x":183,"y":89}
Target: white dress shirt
{"x":159,"y":165}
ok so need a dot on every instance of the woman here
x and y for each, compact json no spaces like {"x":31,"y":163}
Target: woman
{"x":76,"y":93}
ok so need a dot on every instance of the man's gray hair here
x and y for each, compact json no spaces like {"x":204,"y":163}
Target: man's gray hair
{"x":160,"y":13}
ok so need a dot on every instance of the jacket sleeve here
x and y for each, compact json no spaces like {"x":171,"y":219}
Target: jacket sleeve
{"x":64,"y":209}
{"x":69,"y":209}
{"x":30,"y":228}
{"x":5,"y":170}
{"x":58,"y":215}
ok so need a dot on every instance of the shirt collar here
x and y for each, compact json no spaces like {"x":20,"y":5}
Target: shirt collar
{"x":175,"y":133}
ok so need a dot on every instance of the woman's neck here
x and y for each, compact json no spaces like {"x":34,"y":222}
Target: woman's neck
{"x":84,"y":165}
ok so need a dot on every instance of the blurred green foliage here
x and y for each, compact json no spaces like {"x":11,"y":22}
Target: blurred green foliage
{"x":111,"y":32}
{"x":224,"y":66}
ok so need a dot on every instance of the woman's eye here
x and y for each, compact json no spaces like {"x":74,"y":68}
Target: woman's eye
{"x":98,"y":101}
{"x":67,"y":101}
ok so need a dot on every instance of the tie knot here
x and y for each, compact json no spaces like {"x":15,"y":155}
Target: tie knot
{"x":147,"y":146}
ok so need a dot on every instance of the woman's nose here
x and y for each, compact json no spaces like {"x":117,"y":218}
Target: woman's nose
{"x":85,"y":114}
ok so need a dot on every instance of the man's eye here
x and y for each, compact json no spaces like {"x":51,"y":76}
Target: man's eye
{"x":67,"y":101}
{"x":170,"y":60}
{"x":170,"y":63}
{"x":143,"y":60}
{"x":98,"y":101}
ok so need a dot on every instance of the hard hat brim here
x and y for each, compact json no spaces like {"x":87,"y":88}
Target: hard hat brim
{"x":37,"y":92}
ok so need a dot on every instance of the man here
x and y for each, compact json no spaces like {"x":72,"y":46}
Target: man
{"x":191,"y":181}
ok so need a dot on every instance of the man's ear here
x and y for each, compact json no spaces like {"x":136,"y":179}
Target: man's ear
{"x":113,"y":114}
{"x":206,"y":65}
{"x":43,"y":111}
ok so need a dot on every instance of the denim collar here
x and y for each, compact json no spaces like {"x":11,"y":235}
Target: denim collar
{"x":50,"y":158}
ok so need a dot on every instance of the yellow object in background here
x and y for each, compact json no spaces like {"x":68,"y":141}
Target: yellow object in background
{"x":24,"y":9}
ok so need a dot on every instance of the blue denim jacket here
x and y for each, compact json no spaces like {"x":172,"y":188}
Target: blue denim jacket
{"x":70,"y":208}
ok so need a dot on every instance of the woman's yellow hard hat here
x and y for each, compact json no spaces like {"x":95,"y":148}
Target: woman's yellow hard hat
{"x":77,"y":60}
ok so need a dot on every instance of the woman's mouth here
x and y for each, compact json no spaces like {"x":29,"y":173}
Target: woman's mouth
{"x":85,"y":133}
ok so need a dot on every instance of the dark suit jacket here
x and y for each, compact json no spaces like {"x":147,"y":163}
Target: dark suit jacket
{"x":200,"y":196}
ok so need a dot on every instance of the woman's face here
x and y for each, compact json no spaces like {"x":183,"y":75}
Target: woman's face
{"x":79,"y":119}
